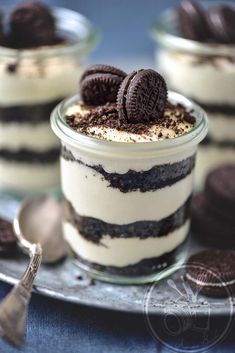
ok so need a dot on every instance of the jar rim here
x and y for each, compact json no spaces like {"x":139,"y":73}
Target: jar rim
{"x":165,"y":31}
{"x":193,"y":137}
{"x":85,"y":36}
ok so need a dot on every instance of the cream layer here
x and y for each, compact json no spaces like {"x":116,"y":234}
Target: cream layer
{"x":206,"y":81}
{"x":39,"y":137}
{"x":221,"y":127}
{"x":209,"y":157}
{"x":122,"y":252}
{"x":28,"y":176}
{"x":91,"y":196}
{"x":37,"y":81}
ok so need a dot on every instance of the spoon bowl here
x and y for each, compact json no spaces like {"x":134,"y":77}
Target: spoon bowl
{"x":39,"y":221}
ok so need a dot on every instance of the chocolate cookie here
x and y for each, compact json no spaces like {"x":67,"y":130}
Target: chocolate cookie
{"x":221,"y":20}
{"x":212,"y":228}
{"x":212,"y":273}
{"x":142,"y":97}
{"x":100,"y":83}
{"x":8,"y":241}
{"x":31,"y":25}
{"x":192,"y":21}
{"x":220,"y":189}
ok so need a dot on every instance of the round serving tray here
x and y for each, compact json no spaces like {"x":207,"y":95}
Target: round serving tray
{"x":65,"y":281}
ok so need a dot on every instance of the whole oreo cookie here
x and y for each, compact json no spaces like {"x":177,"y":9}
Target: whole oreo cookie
{"x":212,"y":273}
{"x":211,"y":226}
{"x":192,"y":20}
{"x":220,"y":188}
{"x":100,"y":83}
{"x":31,"y":25}
{"x":142,"y":97}
{"x":221,"y":21}
{"x":8,"y":241}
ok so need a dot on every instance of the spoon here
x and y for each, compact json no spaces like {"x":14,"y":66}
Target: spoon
{"x":40,"y":221}
{"x":39,"y":233}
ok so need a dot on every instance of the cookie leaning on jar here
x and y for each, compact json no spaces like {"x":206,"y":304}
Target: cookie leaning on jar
{"x":197,"y":56}
{"x":128,"y":152}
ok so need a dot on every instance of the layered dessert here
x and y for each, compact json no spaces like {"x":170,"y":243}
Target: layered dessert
{"x":39,"y":66}
{"x":201,"y":65}
{"x":126,"y":177}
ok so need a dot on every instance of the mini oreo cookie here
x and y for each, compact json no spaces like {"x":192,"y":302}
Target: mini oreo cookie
{"x":100,"y":83}
{"x":192,"y":21}
{"x":211,"y":226}
{"x":142,"y":97}
{"x":220,"y":188}
{"x":221,"y":20}
{"x":8,"y":240}
{"x":212,"y":273}
{"x":32,"y":24}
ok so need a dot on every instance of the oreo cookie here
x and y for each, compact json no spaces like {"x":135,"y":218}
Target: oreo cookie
{"x":220,"y":188}
{"x":31,"y":25}
{"x":192,"y":21}
{"x":8,"y":240}
{"x":211,"y":226}
{"x":213,"y":209}
{"x":221,"y":20}
{"x":142,"y":97}
{"x":100,"y":83}
{"x":212,"y":273}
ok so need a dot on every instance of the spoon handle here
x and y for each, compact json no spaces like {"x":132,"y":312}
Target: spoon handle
{"x":32,"y":269}
{"x":13,"y":309}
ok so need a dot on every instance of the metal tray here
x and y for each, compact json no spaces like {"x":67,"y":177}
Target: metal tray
{"x":66,"y":282}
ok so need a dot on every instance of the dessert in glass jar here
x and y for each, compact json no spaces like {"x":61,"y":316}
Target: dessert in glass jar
{"x":197,"y":57}
{"x":127,"y":162}
{"x":42,"y":52}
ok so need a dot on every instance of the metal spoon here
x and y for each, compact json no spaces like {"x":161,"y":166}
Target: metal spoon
{"x":38,"y":221}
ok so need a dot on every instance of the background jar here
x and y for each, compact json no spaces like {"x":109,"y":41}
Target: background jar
{"x":127,"y":204}
{"x":32,"y":82}
{"x":205,"y":73}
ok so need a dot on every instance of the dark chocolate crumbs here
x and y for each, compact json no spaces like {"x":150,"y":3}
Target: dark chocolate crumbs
{"x":107,"y":117}
{"x":12,"y":68}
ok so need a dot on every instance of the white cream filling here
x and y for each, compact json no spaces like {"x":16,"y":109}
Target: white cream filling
{"x":27,"y":176}
{"x":38,"y":81}
{"x":205,"y":82}
{"x":210,"y":157}
{"x":91,"y":196}
{"x":39,"y":137}
{"x":123,"y":162}
{"x":221,"y":127}
{"x":209,"y":284}
{"x":111,"y":134}
{"x":122,"y":252}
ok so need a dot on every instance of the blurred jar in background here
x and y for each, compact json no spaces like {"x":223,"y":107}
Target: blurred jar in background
{"x":33,"y":80}
{"x":204,"y":71}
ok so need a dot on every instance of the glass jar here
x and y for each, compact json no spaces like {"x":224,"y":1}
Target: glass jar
{"x":205,"y":73}
{"x":32,"y":82}
{"x":127,"y":204}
